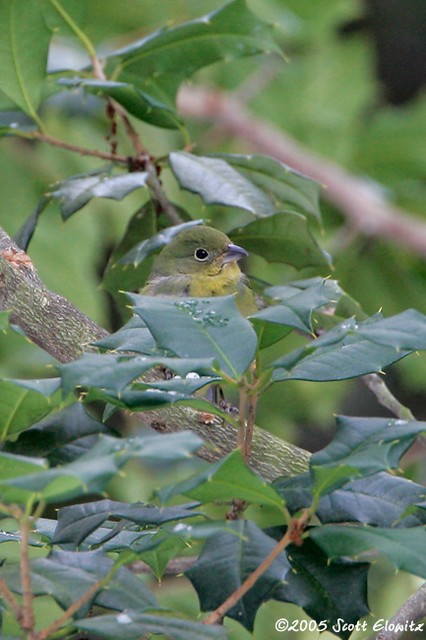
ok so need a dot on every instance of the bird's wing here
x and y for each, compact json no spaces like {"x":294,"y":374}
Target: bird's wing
{"x":177,"y":285}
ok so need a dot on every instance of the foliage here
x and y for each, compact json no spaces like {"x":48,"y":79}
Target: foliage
{"x":56,"y":448}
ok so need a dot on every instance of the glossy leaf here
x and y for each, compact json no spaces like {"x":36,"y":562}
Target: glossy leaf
{"x":132,"y":337}
{"x":285,"y":186}
{"x":404,"y":548}
{"x":381,"y":500}
{"x":318,"y":586}
{"x":73,"y":194}
{"x":114,"y":371}
{"x":218,"y":183}
{"x":227,"y":560}
{"x":21,"y":478}
{"x":361,"y":447}
{"x":405,"y":331}
{"x":67,"y":575}
{"x":24,"y":42}
{"x":341,"y":353}
{"x":200,"y":328}
{"x":224,"y":480}
{"x":132,"y":625}
{"x":25,"y":402}
{"x":298,"y":301}
{"x":139,"y":103}
{"x":61,"y":437}
{"x":177,"y":52}
{"x":76,"y":522}
{"x":283,"y":237}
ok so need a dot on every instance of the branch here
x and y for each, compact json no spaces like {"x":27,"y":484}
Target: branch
{"x":360,"y":202}
{"x":411,"y":612}
{"x":292,"y":535}
{"x":59,"y":328}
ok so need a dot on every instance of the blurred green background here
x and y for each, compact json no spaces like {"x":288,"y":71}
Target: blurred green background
{"x":328,"y":97}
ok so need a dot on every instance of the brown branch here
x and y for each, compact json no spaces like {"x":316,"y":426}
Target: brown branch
{"x":8,"y":596}
{"x":68,"y":613}
{"x":56,"y":142}
{"x":62,"y":330}
{"x":361,"y":203}
{"x":293,"y":534}
{"x":27,"y":612}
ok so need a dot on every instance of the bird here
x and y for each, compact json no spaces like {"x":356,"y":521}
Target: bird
{"x":201,"y":261}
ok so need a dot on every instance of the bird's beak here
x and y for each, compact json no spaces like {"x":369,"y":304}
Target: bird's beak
{"x":233,"y":253}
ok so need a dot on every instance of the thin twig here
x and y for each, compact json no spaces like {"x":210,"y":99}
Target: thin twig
{"x":359,"y":201}
{"x":27,"y":613}
{"x":293,"y":533}
{"x":56,"y":142}
{"x":72,"y":609}
{"x":10,"y":599}
{"x":385,"y":397}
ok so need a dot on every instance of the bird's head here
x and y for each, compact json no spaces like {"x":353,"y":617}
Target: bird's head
{"x":198,"y":250}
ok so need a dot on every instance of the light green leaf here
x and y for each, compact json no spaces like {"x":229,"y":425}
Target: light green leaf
{"x":218,"y":183}
{"x":24,"y":42}
{"x":286,"y":187}
{"x":140,"y":104}
{"x":73,"y":194}
{"x":227,"y":479}
{"x":25,"y":402}
{"x":177,"y":52}
{"x":283,"y":237}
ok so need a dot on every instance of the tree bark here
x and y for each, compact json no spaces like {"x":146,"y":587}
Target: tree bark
{"x":58,"y":327}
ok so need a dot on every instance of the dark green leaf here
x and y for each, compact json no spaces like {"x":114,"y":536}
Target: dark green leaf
{"x":283,"y":237}
{"x":361,"y":447}
{"x":139,"y":103}
{"x":113,"y":372}
{"x":67,"y":575}
{"x":218,"y":183}
{"x":320,"y":586}
{"x":405,"y":331}
{"x":403,"y":547}
{"x":24,"y":42}
{"x":286,"y":187}
{"x":298,"y":301}
{"x":73,"y":194}
{"x":25,"y":402}
{"x":76,"y":522}
{"x":133,"y":336}
{"x":22,"y":478}
{"x":227,"y":560}
{"x":131,"y":625}
{"x":25,"y":233}
{"x":200,"y":328}
{"x":224,"y":480}
{"x":339,"y":354}
{"x":381,"y":500}
{"x":60,"y":438}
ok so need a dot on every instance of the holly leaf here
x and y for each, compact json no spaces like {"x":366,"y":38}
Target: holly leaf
{"x":227,"y":560}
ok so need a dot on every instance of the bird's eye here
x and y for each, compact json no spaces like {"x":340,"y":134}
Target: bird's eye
{"x":201,"y":255}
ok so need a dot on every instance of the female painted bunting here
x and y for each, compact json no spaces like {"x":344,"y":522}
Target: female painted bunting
{"x":201,"y":262}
